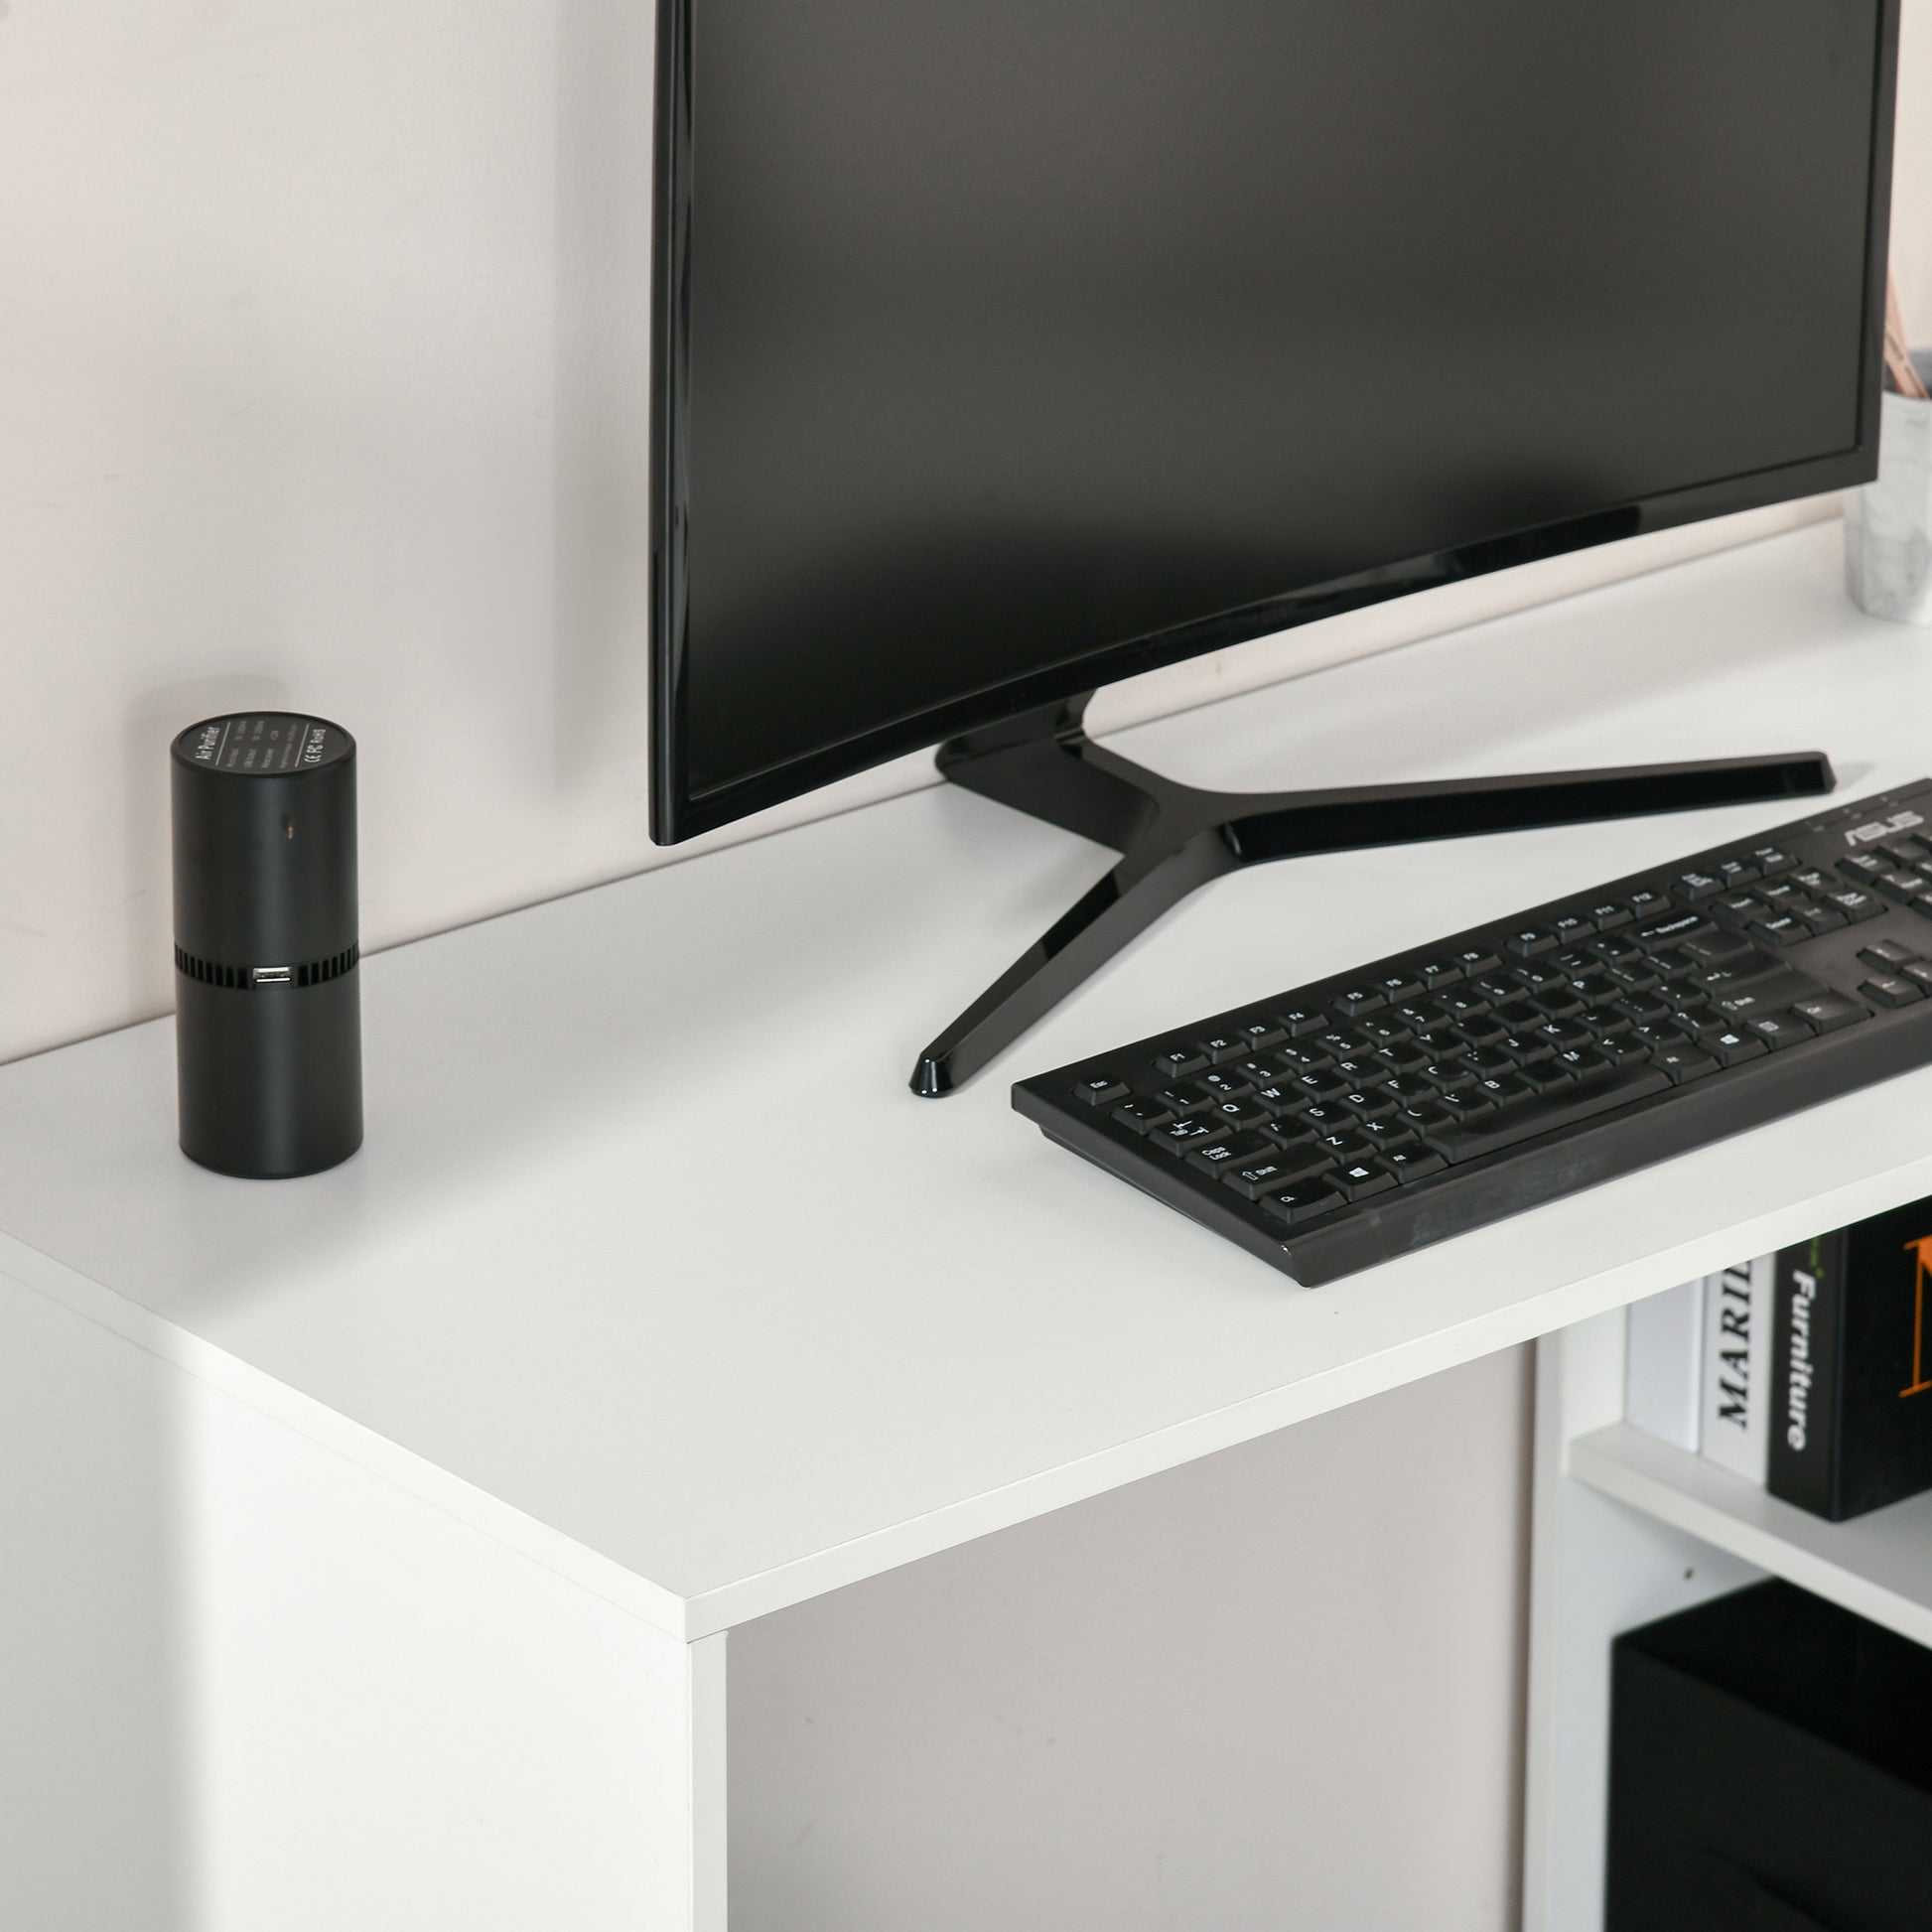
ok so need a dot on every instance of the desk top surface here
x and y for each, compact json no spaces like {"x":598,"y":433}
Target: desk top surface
{"x":652,"y":1264}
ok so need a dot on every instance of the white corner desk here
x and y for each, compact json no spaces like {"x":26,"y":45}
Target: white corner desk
{"x":655,"y":1302}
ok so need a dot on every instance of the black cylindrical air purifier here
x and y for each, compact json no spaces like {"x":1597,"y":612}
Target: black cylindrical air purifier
{"x":268,"y":1033}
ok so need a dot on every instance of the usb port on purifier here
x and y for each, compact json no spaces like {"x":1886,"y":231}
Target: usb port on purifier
{"x":271,"y":975}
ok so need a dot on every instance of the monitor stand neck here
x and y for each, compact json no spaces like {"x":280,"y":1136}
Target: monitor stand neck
{"x":1173,"y":838}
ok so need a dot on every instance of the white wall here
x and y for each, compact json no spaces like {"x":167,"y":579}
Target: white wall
{"x":321,"y":383}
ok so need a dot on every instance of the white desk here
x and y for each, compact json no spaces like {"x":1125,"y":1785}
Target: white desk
{"x":653,"y":1272}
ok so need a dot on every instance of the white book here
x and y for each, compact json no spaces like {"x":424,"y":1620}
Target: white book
{"x":1663,"y":1376}
{"x":1736,"y":1408}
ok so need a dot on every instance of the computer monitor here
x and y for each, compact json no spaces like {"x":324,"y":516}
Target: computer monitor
{"x":1007,"y":348}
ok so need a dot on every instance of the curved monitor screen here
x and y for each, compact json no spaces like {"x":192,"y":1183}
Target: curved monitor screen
{"x":1011,"y":346}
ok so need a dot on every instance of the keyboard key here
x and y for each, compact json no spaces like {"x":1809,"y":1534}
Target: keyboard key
{"x":1685,"y":1062}
{"x":1436,"y":973}
{"x":1325,"y":1085}
{"x":1476,"y":959}
{"x":1778,"y":1029}
{"x":1609,"y":915}
{"x":1420,"y":1015}
{"x":1289,"y":1132}
{"x":1225,"y":1082}
{"x":1220,"y":1047}
{"x":1828,"y":1012}
{"x":1522,"y":1048}
{"x":1785,"y":930}
{"x":1904,"y":887}
{"x":1766,"y":995}
{"x":1694,"y":887}
{"x":1544,"y":1114}
{"x":1278,"y":1099}
{"x":1142,"y":1115}
{"x":1240,"y":1114}
{"x":1412,"y":1090}
{"x":1385,"y":1030}
{"x":1544,"y":1075}
{"x":1412,"y":1163}
{"x":1397,"y":987}
{"x":1183,"y":1136}
{"x":1304,"y":1056}
{"x":1262,"y":1034}
{"x":1822,"y":916}
{"x":1737,"y":872}
{"x":1370,"y":1103}
{"x":1360,"y":1000}
{"x":1361,"y":1178}
{"x":1265,"y":1174}
{"x":1426,"y":1119}
{"x":1382,"y":1134}
{"x":1643,"y":1008}
{"x":1344,"y":1043}
{"x":1471,"y":1104}
{"x":1582,"y":1061}
{"x":1648,"y":905}
{"x":1634,"y":979}
{"x":1185,"y":1097}
{"x":1099,"y":1090}
{"x":1530,"y":941}
{"x":1573,"y":927}
{"x":1597,"y":989}
{"x":1856,"y":904}
{"x":1301,"y":1021}
{"x":1886,"y":954}
{"x":1537,"y":977}
{"x":1862,"y":868}
{"x":1919,"y":972}
{"x":1302,"y":1202}
{"x":1887,"y":990}
{"x":1179,"y":1060}
{"x":1502,"y":1088}
{"x":1223,"y":1153}
{"x":1482,"y":1062}
{"x":1464,"y":1003}
{"x":1731,"y":1045}
{"x":1774,"y":858}
{"x":1740,"y":908}
{"x":1672,"y":932}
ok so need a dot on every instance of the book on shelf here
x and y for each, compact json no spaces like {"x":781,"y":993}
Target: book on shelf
{"x":1851,"y":1406}
{"x":1663,"y":1383}
{"x":1735,"y":1413}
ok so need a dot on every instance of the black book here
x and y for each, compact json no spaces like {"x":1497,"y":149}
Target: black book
{"x":1852,"y":1366}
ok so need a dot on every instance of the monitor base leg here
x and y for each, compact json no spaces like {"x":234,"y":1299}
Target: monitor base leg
{"x":1173,"y":838}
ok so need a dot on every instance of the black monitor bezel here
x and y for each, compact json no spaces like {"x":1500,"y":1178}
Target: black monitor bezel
{"x":677,"y":814}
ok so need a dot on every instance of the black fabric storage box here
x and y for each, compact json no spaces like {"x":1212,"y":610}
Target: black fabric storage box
{"x":1770,"y":1772}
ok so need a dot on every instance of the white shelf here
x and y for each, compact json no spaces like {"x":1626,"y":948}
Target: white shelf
{"x":652,"y":1268}
{"x":1878,"y":1566}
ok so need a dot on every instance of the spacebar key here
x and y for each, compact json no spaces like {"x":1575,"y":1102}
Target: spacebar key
{"x":1545,"y":1113}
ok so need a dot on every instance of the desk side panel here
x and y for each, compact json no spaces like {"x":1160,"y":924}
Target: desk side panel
{"x":246,"y":1683}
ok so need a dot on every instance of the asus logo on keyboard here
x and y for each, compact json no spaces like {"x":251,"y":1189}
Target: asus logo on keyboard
{"x":1897,"y":822}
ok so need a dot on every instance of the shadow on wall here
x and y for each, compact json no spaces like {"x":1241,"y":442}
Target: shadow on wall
{"x":605,"y":98}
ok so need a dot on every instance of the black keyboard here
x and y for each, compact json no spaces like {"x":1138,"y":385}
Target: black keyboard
{"x":1340,"y":1124}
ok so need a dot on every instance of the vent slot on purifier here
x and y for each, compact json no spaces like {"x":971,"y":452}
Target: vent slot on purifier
{"x":313,"y":972}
